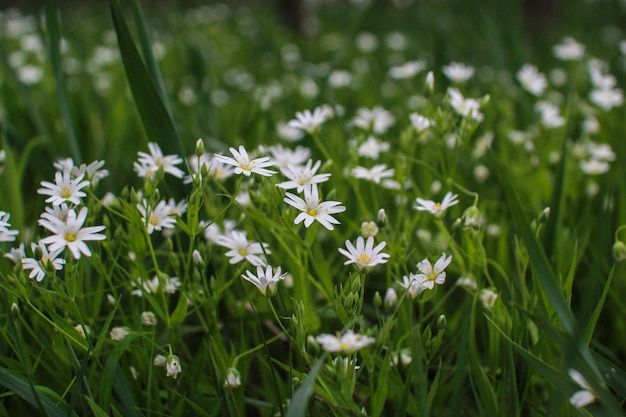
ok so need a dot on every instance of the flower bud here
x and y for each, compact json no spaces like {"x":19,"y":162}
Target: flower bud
{"x":430,"y":81}
{"x":369,"y":229}
{"x":619,"y":251}
{"x":119,"y":333}
{"x":173,"y":367}
{"x":442,"y":322}
{"x":199,"y":147}
{"x":233,"y":378}
{"x":471,"y":218}
{"x":545,"y":215}
{"x":378,"y":300}
{"x":391,"y":298}
{"x":382,"y":216}
{"x":148,"y":319}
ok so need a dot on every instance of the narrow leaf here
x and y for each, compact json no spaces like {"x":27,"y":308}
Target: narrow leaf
{"x":52,"y":25}
{"x":304,"y":391}
{"x":157,"y":122}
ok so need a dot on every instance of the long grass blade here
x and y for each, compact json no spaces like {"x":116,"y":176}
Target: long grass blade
{"x":52,"y":24}
{"x":304,"y":391}
{"x":157,"y":122}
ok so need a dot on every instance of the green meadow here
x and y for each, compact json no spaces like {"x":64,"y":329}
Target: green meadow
{"x":405,"y":208}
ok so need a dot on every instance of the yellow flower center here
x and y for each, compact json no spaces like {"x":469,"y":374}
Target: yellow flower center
{"x":432,"y":276}
{"x":70,"y":237}
{"x":246,"y":167}
{"x":364,"y":259}
{"x":153,"y":219}
{"x":66,"y":192}
{"x":312,"y":212}
{"x":243,"y":252}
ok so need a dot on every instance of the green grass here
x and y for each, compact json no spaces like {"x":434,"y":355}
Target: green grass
{"x":104,"y":81}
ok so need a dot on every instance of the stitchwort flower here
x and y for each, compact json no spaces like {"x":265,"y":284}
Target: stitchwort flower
{"x":246,"y":166}
{"x":71,"y":234}
{"x":265,"y":279}
{"x":430,"y":275}
{"x":364,"y":254}
{"x":6,"y":234}
{"x":64,"y":188}
{"x":437,"y":209}
{"x":313,"y":209}
{"x":302,"y":176}
{"x":41,"y":264}
{"x":149,"y":163}
{"x":348,"y":343}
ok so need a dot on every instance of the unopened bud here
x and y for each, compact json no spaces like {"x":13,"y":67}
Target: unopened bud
{"x":430,"y":81}
{"x":619,"y":251}
{"x":391,"y":298}
{"x":382,"y":215}
{"x":148,"y":319}
{"x":545,"y":215}
{"x":378,"y":300}
{"x":199,"y":147}
{"x":442,"y":322}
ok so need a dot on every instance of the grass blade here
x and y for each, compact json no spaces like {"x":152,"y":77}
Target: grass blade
{"x":52,"y":25}
{"x":157,"y":122}
{"x":23,"y":390}
{"x":304,"y":391}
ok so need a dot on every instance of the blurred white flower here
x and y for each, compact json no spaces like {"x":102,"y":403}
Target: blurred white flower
{"x":583,"y":397}
{"x":458,"y":72}
{"x":436,"y":208}
{"x":348,"y":343}
{"x":265,"y":279}
{"x":532,"y":80}
{"x":569,"y":50}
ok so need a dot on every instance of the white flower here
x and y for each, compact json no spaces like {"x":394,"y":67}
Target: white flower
{"x":148,"y":164}
{"x":375,"y":173}
{"x":159,"y":360}
{"x":119,"y":333}
{"x":488,"y":298}
{"x":64,"y":188}
{"x":437,"y":209}
{"x":233,"y":378}
{"x":285,"y":157}
{"x":364,"y":255}
{"x":391,"y":298}
{"x":6,"y":234}
{"x":458,"y":72}
{"x":16,"y":254}
{"x":594,"y":166}
{"x":569,"y":50}
{"x":348,"y":343}
{"x":148,"y":319}
{"x":173,"y":366}
{"x":532,"y":80}
{"x":466,"y":107}
{"x":420,"y":123}
{"x":92,"y":172}
{"x":214,"y":168}
{"x":246,"y":166}
{"x":313,"y":208}
{"x":309,"y":122}
{"x":151,"y":286}
{"x":377,"y":119}
{"x":607,"y":98}
{"x":412,"y":285}
{"x":430,"y":275}
{"x":265,"y":279}
{"x":289,"y":133}
{"x":302,"y":176}
{"x":241,"y":248}
{"x":71,"y":233}
{"x":583,"y":397}
{"x":157,"y":218}
{"x":340,"y":78}
{"x":40,"y":264}
{"x":372,"y":147}
{"x":407,"y":70}
{"x":369,"y":229}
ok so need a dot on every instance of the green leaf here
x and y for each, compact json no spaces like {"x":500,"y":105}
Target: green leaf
{"x":52,"y":26}
{"x":178,"y":316}
{"x":593,"y":320}
{"x":157,"y":122}
{"x":301,"y":396}
{"x":24,"y":390}
{"x":97,"y":410}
